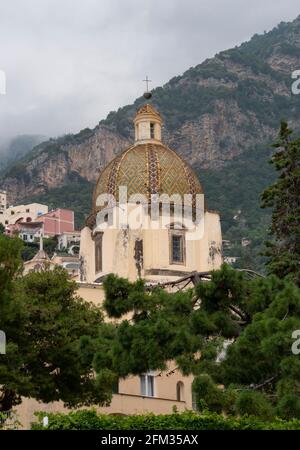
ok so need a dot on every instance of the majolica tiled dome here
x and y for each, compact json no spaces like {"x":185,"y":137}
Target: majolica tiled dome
{"x":148,"y":167}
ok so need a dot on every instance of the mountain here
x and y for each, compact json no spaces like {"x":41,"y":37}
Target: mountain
{"x":220,"y":115}
{"x":17,"y":147}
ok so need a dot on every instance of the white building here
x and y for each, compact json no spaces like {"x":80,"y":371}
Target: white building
{"x":70,"y":241}
{"x":20,"y":213}
{"x":3,"y":202}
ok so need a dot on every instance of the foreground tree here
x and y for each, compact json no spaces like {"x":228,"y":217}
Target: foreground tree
{"x":242,"y":328}
{"x":259,"y":365}
{"x":284,"y":197}
{"x":44,"y":320}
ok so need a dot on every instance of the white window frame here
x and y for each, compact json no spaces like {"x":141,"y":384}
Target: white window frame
{"x":148,"y":389}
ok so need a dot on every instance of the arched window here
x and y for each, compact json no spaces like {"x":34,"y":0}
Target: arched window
{"x":180,"y":391}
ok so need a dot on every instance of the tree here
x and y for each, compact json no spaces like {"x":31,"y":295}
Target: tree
{"x":156,"y":332}
{"x":50,"y":245}
{"x":165,"y":326}
{"x":284,"y":197}
{"x":2,"y":228}
{"x":260,"y":359}
{"x":253,"y":403}
{"x":242,"y":328}
{"x":44,"y":321}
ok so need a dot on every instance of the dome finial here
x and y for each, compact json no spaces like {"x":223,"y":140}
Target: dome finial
{"x":147,"y":93}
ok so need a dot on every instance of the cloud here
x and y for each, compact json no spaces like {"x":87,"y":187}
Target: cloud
{"x":69,"y":62}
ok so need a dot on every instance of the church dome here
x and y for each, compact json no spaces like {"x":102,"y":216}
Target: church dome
{"x":148,"y":167}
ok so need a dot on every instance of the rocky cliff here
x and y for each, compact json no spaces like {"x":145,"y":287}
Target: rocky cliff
{"x":213,"y":113}
{"x":220,"y":116}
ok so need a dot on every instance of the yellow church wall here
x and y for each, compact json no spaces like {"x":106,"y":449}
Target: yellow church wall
{"x":87,"y":252}
{"x":127,"y":401}
{"x":91,"y":293}
{"x":203,"y":248}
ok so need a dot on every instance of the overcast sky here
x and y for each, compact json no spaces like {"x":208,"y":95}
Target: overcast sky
{"x":69,"y":62}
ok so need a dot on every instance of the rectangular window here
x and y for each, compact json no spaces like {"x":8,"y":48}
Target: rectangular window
{"x":115,"y":387}
{"x":152,"y":135}
{"x":147,"y":385}
{"x":177,"y":248}
{"x":98,"y":252}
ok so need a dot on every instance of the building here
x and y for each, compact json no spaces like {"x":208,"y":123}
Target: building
{"x":69,"y":241}
{"x":70,"y":263}
{"x":146,"y":234}
{"x":57,"y":222}
{"x":27,"y":231}
{"x":40,"y":261}
{"x":160,"y":230}
{"x":49,"y":224}
{"x":20,"y":213}
{"x":3,"y":202}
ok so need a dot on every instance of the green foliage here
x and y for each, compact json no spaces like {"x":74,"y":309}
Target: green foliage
{"x":208,"y":394}
{"x":250,"y":322}
{"x":121,"y":296}
{"x":90,"y":420}
{"x":233,"y":188}
{"x":49,"y":245}
{"x":284,"y":197}
{"x":30,"y":249}
{"x":252,"y":403}
{"x":156,"y":332}
{"x":9,"y":421}
{"x":288,"y":406}
{"x":261,"y":357}
{"x":44,"y":320}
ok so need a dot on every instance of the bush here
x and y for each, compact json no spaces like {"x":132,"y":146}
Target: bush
{"x":254,"y":403}
{"x":289,"y":406}
{"x":90,"y":420}
{"x":208,"y":394}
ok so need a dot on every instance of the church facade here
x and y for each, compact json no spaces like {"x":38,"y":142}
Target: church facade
{"x":149,"y":220}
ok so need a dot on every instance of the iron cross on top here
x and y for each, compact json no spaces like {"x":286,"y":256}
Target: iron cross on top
{"x":147,"y":81}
